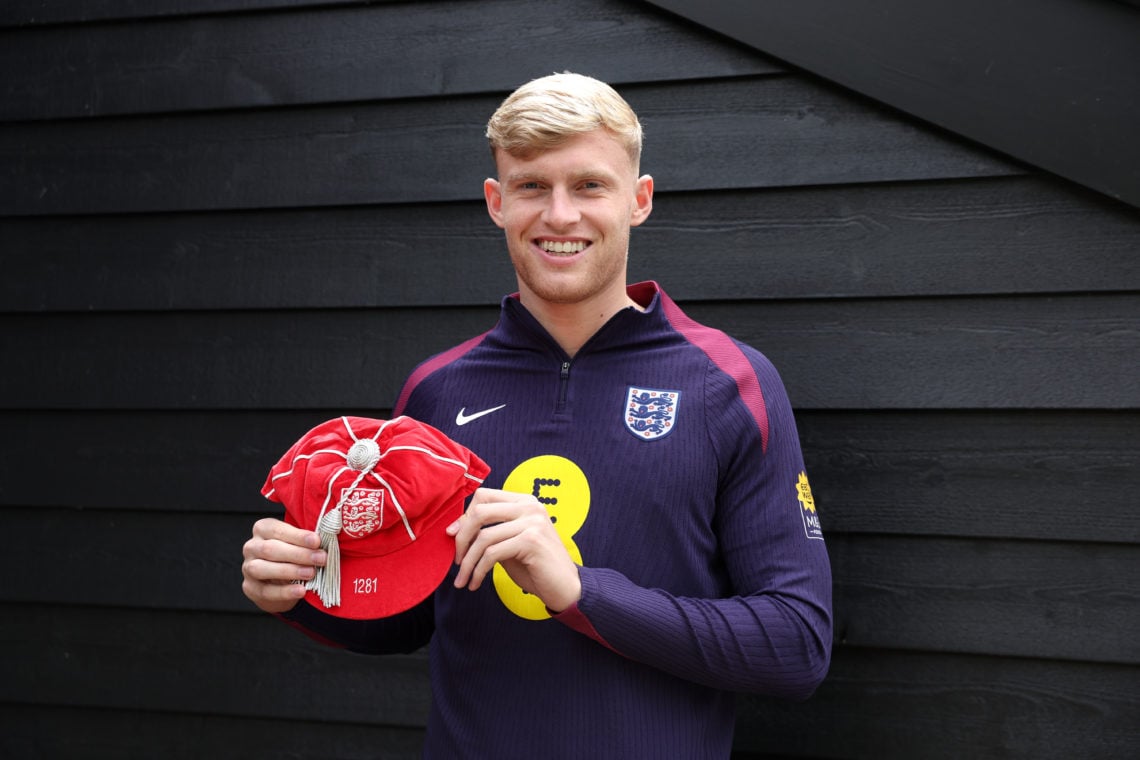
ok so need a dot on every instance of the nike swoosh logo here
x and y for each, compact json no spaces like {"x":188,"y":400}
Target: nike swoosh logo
{"x":463,"y":419}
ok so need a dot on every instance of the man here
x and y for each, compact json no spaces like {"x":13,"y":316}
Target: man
{"x":653,"y":545}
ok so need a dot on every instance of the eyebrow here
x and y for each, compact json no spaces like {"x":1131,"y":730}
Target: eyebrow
{"x":575,"y":177}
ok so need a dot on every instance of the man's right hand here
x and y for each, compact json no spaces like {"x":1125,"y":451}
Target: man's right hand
{"x":277,"y":555}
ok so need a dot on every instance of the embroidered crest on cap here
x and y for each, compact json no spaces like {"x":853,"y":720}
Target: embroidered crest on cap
{"x":379,"y":495}
{"x":651,"y":414}
{"x":807,"y":508}
{"x":363,"y":511}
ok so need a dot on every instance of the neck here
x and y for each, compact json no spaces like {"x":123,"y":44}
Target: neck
{"x":572,"y":324}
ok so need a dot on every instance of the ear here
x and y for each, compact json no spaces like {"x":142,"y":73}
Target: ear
{"x":643,"y":200}
{"x":493,"y":194}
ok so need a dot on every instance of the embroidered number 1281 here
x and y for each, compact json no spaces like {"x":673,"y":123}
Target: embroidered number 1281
{"x":364,"y":586}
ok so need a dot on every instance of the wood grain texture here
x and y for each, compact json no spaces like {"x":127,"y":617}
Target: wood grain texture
{"x":249,"y":665}
{"x":224,"y":221}
{"x":1020,"y":599}
{"x":1015,"y":598}
{"x":85,"y":732}
{"x":1010,"y":235}
{"x":1065,"y":476}
{"x":771,"y":132}
{"x":37,"y":12}
{"x":873,"y":704}
{"x":151,"y":460}
{"x":971,"y":353}
{"x":347,"y":54}
{"x":881,"y":704}
{"x":1050,"y":82}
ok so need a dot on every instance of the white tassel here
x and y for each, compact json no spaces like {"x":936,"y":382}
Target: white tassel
{"x":326,"y":581}
{"x":362,"y":456}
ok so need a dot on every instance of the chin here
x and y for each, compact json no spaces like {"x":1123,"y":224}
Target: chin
{"x":560,"y":294}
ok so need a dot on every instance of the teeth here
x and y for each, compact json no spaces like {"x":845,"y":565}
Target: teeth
{"x":554,"y":246}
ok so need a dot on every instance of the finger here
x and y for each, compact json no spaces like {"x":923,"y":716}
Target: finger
{"x":476,"y":522}
{"x":500,"y":552}
{"x":272,"y":596}
{"x":274,"y":590}
{"x":468,"y":554}
{"x":523,"y":551}
{"x":492,"y":510}
{"x":527,"y":536}
{"x":470,"y":524}
{"x":270,"y":528}
{"x":276,"y":551}
{"x":490,"y":498}
{"x":265,"y":570}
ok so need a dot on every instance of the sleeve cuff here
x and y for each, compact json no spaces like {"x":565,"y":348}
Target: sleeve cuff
{"x":573,"y":617}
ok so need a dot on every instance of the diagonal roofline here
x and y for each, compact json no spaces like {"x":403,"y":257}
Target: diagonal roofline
{"x":1052,"y":83}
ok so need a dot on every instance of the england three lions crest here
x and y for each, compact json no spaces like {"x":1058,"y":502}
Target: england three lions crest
{"x":651,"y":414}
{"x":363,"y":511}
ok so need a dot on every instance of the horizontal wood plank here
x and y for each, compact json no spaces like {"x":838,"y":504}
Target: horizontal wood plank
{"x":224,"y":221}
{"x":1050,"y":82}
{"x":1011,"y":235}
{"x":1021,"y":599}
{"x":970,"y":353}
{"x":1009,"y":353}
{"x":768,"y":132}
{"x":207,"y":360}
{"x":1008,"y":235}
{"x":880,"y":704}
{"x":348,"y":54}
{"x":78,"y":733}
{"x":1015,"y":598}
{"x":42,"y":12}
{"x":1021,"y":475}
{"x":873,"y":703}
{"x":1030,"y":475}
{"x":249,"y":665}
{"x":421,"y":255}
{"x":150,"y":460}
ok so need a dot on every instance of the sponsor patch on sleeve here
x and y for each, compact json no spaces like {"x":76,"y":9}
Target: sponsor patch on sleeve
{"x":807,"y":508}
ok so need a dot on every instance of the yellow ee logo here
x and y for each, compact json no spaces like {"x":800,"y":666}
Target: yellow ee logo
{"x":561,"y":486}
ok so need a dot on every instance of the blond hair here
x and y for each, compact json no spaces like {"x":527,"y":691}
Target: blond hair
{"x":545,"y":112}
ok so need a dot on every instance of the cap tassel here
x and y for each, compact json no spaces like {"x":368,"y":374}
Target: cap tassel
{"x":362,"y":456}
{"x":326,"y":581}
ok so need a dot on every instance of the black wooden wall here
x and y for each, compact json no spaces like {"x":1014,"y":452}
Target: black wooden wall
{"x":223,"y":221}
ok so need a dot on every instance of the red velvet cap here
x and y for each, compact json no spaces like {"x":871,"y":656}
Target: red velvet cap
{"x":380,"y":494}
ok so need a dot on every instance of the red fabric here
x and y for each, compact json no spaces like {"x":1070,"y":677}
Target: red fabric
{"x":383,"y":570}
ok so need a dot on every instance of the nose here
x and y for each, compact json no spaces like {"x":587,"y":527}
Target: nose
{"x":561,"y":211}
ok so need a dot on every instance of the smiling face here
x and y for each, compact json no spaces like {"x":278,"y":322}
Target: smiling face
{"x":567,"y":212}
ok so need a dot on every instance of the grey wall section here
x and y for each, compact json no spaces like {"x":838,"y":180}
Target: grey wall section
{"x":223,"y":221}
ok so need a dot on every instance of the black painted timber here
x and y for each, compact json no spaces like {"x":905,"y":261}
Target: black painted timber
{"x":224,"y":221}
{"x":1053,"y":83}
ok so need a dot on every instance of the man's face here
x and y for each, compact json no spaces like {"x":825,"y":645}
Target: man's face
{"x":567,"y":214}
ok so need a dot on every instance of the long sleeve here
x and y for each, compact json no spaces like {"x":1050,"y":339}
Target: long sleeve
{"x":772,"y":635}
{"x":668,"y":460}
